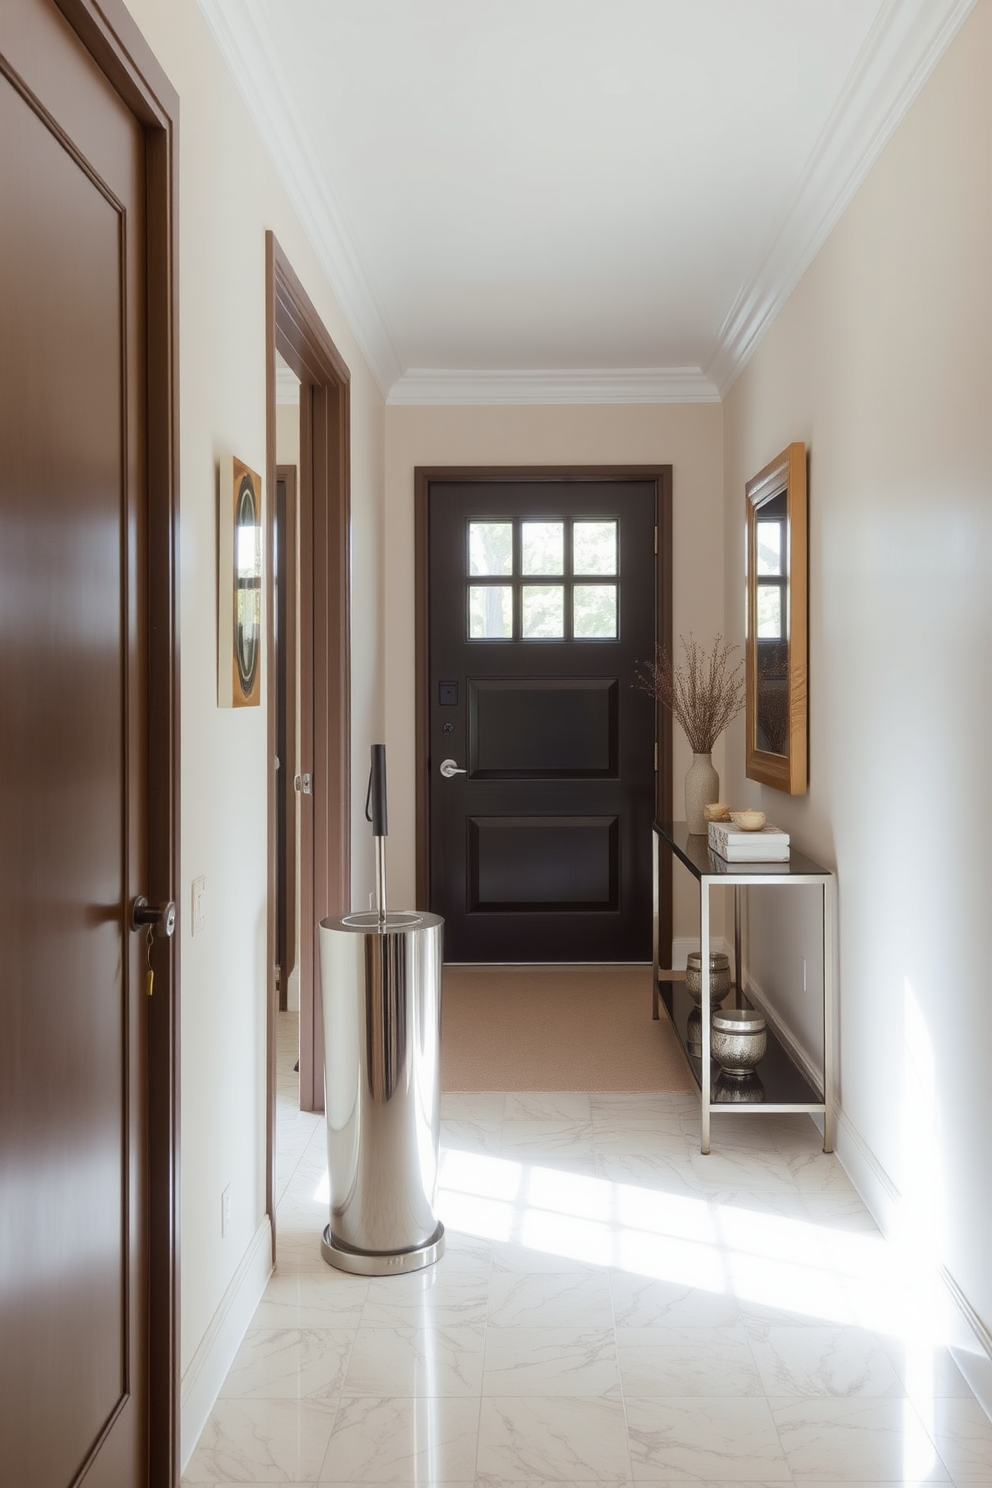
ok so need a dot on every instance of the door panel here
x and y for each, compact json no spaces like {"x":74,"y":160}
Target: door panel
{"x":542,"y":862}
{"x":73,"y":1366}
{"x":548,"y":728}
{"x":542,"y":598}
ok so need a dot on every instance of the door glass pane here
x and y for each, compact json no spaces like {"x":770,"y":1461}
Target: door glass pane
{"x":490,"y":548}
{"x":490,"y":612}
{"x":594,"y":548}
{"x":769,"y":611}
{"x":542,"y":547}
{"x":543,"y":611}
{"x":594,"y":612}
{"x":769,"y":547}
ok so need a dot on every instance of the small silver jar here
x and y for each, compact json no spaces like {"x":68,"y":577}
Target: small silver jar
{"x":738,"y":1040}
{"x":719,"y":976}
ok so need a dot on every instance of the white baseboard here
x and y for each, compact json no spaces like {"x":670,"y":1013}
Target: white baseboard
{"x":209,"y":1366}
{"x":966,"y":1336}
{"x":683,"y":944}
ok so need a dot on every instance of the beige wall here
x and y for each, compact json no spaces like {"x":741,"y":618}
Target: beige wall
{"x":229,"y":196}
{"x":687,"y":436}
{"x":881,"y":363}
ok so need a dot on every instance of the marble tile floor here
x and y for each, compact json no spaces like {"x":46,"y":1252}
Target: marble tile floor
{"x":613,"y":1308}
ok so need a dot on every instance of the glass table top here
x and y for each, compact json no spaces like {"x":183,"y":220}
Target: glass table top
{"x":695,"y":852}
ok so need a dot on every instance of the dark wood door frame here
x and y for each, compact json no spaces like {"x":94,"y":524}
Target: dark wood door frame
{"x":294,"y":328}
{"x":284,"y":576}
{"x":424,"y":477}
{"x":109,"y":34}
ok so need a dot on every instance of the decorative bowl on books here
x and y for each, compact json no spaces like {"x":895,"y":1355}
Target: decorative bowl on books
{"x":738,"y":1040}
{"x":748,"y":821}
{"x":719,"y":976}
{"x":718,"y":811}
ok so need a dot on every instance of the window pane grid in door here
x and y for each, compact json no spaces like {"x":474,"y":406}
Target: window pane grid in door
{"x":578,"y":552}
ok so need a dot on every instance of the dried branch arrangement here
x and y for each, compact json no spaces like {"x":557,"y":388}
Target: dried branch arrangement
{"x":705,"y":692}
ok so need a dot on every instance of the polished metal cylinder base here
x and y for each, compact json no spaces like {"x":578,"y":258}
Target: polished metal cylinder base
{"x":381,"y":995}
{"x":369,"y":1263}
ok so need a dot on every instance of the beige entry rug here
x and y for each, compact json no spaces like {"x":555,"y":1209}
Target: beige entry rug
{"x":556,"y":1028}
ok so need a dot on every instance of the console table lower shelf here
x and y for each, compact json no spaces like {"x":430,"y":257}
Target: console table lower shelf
{"x":780,"y":1084}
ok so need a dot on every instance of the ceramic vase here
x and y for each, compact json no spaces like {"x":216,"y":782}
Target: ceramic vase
{"x":702,"y":787}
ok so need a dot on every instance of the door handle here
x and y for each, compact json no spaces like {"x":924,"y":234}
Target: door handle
{"x":449,"y":768}
{"x":161,"y":916}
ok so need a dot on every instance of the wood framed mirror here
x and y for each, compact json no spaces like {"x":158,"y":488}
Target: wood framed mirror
{"x":776,"y":624}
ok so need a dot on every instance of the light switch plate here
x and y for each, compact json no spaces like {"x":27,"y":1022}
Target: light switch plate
{"x":198,"y":917}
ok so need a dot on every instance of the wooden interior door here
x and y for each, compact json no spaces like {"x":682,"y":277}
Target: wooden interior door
{"x":74,"y":789}
{"x":542,"y":599}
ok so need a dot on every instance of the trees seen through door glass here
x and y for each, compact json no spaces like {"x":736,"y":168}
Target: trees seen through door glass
{"x":577,"y":561}
{"x":543,"y":612}
{"x":542,"y":547}
{"x":490,"y":548}
{"x":490,"y":612}
{"x":594,"y":548}
{"x":594,"y":608}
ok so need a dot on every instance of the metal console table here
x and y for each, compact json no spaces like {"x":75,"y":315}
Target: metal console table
{"x":784,"y":1085}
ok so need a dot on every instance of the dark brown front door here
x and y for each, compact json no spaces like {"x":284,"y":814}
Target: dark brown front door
{"x":73,"y":789}
{"x":542,"y":599}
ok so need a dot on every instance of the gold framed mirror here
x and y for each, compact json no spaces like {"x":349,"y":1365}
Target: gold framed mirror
{"x":775,"y":645}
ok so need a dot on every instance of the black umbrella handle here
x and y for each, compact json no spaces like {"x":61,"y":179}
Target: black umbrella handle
{"x":376,"y":794}
{"x":376,"y":799}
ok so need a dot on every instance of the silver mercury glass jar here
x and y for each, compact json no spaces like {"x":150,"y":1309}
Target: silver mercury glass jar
{"x":719,"y":976}
{"x":738,"y":1040}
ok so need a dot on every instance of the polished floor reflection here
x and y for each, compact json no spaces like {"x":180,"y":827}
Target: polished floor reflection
{"x":613,"y":1308}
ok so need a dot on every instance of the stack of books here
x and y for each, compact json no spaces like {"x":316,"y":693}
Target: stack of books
{"x":767,"y":845}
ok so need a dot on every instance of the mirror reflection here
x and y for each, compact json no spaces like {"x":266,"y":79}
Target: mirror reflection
{"x":771,"y":640}
{"x":776,"y":650}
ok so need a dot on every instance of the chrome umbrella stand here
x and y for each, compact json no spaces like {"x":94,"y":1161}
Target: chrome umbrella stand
{"x":381,"y":998}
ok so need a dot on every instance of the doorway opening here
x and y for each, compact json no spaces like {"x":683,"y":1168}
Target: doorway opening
{"x":285,"y":665}
{"x":322,"y":763}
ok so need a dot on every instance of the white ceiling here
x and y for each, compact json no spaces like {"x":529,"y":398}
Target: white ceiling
{"x":572,"y":200}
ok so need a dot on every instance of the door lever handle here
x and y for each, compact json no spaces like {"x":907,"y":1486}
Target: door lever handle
{"x":161,"y":916}
{"x":449,"y":768}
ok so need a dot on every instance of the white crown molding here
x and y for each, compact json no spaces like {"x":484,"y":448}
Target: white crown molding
{"x":250,"y":54}
{"x":424,"y":385}
{"x":901,"y":51}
